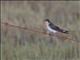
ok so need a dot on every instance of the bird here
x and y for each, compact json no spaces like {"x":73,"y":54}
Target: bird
{"x":51,"y":28}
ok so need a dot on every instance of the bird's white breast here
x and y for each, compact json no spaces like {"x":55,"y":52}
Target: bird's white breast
{"x":51,"y":30}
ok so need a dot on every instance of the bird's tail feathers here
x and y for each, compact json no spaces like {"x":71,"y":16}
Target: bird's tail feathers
{"x":67,"y":32}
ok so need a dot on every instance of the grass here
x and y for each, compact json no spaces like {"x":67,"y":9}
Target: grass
{"x":19,"y":44}
{"x":41,"y":50}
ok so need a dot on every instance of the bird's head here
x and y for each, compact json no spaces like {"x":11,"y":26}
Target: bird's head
{"x":47,"y":20}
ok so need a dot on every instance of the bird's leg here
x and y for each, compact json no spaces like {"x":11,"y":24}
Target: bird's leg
{"x":46,"y":31}
{"x":49,"y":33}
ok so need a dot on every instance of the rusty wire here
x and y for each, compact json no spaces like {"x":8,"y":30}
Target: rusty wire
{"x":24,"y":28}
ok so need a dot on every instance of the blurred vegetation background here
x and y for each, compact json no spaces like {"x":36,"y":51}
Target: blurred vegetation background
{"x":19,"y":44}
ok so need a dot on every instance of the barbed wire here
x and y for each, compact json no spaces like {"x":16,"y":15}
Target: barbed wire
{"x":24,"y":28}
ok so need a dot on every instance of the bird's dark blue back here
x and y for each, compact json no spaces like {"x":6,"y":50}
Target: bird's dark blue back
{"x":55,"y":27}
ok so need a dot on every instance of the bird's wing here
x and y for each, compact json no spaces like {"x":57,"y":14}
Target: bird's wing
{"x":55,"y":27}
{"x":52,"y":26}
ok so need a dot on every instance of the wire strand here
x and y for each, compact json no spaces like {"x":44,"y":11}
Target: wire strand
{"x":25,"y":28}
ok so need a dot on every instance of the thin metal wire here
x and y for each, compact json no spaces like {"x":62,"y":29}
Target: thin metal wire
{"x":25,"y":28}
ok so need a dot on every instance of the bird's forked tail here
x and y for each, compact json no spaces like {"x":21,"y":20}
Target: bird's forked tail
{"x":67,"y":32}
